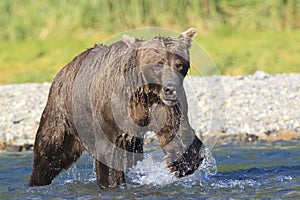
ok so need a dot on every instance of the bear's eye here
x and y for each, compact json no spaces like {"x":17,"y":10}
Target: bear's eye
{"x":161,"y":63}
{"x":179,"y":66}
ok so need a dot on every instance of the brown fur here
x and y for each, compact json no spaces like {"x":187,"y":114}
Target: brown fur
{"x":160,"y":64}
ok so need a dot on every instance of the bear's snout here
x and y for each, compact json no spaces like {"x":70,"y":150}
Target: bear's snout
{"x":170,"y":94}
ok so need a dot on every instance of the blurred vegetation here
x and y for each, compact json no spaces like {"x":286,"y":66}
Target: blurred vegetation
{"x":37,"y":38}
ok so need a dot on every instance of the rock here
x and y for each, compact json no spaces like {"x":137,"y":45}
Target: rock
{"x":237,"y":107}
{"x":260,"y":75}
{"x":20,"y":106}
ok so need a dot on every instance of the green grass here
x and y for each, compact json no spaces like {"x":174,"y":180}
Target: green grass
{"x":37,"y":38}
{"x":234,"y":51}
{"x":37,"y":60}
{"x":243,"y":52}
{"x":23,"y":19}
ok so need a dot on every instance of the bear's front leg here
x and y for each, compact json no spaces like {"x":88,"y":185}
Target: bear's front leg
{"x":128,"y":151}
{"x":108,"y":177}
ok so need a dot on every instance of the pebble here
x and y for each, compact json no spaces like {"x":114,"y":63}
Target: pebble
{"x":21,"y":107}
{"x":245,"y":108}
{"x":255,"y":105}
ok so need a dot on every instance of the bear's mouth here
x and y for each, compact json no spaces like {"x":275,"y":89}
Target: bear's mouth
{"x":188,"y":162}
{"x":170,"y":102}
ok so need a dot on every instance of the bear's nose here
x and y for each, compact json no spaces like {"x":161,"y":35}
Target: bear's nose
{"x":170,"y":91}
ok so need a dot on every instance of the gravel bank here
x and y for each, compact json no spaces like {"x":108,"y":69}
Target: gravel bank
{"x":256,"y":107}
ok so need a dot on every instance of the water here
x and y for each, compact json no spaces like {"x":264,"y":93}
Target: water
{"x":251,"y":170}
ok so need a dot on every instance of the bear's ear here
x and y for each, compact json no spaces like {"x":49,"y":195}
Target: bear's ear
{"x":129,"y":40}
{"x":188,"y":36}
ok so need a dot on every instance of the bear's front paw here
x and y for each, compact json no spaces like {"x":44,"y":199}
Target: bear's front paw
{"x":188,"y":162}
{"x":184,"y":165}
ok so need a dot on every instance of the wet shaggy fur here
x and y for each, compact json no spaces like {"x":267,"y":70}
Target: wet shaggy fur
{"x":154,"y":70}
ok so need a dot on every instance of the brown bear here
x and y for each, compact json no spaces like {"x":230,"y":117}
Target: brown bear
{"x":107,"y":98}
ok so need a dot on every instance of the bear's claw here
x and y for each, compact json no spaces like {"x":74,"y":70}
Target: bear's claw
{"x":188,"y":162}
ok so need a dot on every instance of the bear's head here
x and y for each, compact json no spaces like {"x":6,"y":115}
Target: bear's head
{"x":163,"y":63}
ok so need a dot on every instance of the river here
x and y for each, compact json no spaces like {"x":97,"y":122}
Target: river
{"x":235,"y":171}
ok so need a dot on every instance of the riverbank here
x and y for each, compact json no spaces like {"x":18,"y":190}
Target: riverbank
{"x":256,"y":107}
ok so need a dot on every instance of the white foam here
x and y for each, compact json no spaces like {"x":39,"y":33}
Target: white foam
{"x":155,"y":173}
{"x":150,"y":172}
{"x":231,"y":183}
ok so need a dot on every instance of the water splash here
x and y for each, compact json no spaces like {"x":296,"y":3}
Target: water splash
{"x":149,"y":172}
{"x":208,"y":166}
{"x":155,"y":173}
{"x":73,"y":174}
{"x":82,"y":171}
